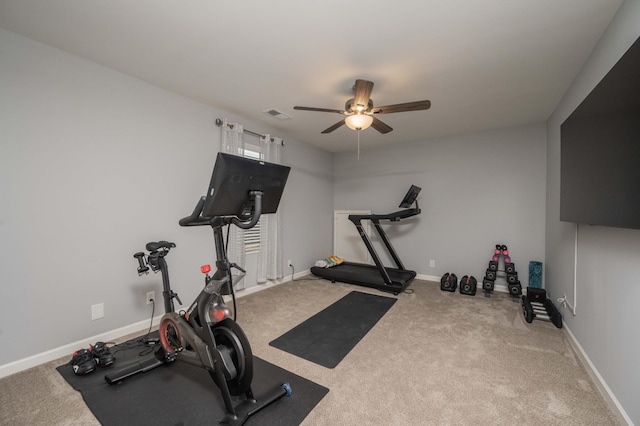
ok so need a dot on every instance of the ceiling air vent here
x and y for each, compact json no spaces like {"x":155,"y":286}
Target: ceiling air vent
{"x":277,"y":114}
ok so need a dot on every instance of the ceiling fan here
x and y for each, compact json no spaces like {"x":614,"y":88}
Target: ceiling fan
{"x":360,"y":112}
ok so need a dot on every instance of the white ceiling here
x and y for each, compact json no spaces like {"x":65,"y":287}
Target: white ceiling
{"x":483,"y":64}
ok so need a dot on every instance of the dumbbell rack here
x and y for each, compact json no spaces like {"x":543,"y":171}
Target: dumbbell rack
{"x":501,"y":252}
{"x":535,"y":305}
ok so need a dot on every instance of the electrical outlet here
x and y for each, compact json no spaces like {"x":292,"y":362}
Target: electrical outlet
{"x":289,"y":264}
{"x":97,"y":311}
{"x":432,"y":263}
{"x":151,"y":295}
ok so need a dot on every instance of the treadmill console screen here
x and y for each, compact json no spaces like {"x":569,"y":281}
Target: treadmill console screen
{"x":410,"y":197}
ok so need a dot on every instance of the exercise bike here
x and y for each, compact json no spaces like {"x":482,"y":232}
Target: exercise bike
{"x":205,"y":335}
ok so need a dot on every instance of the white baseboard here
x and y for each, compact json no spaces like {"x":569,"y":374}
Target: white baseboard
{"x":269,"y":284}
{"x":602,"y":386}
{"x":428,"y":277}
{"x":68,"y":349}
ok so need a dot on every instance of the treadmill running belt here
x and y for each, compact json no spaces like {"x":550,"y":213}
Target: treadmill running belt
{"x":366,"y":275}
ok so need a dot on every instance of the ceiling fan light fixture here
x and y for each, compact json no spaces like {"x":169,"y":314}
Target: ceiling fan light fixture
{"x":359,"y":111}
{"x":358,"y":121}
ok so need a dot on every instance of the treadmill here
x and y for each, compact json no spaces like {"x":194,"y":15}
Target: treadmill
{"x":392,"y":280}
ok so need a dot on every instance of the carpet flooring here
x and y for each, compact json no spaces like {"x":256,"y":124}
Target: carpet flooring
{"x":435,"y":358}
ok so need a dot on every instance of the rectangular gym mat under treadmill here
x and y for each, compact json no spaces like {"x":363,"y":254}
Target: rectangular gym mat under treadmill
{"x":327,"y":337}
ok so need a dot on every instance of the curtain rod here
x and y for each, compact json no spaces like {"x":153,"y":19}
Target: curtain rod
{"x":220,"y":122}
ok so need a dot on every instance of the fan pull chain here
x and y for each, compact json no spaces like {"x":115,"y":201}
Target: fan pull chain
{"x":358,"y":144}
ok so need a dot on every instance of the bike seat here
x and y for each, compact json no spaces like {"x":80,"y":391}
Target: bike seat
{"x":155,"y":246}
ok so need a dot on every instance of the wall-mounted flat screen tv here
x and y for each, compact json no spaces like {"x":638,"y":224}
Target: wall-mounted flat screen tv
{"x":600,"y":151}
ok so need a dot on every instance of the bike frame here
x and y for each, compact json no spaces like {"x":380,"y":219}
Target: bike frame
{"x":190,"y":335}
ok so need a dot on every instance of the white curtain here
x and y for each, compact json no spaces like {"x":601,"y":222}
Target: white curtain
{"x":270,"y":255}
{"x":231,"y":143}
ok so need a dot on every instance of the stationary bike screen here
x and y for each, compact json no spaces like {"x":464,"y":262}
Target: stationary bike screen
{"x":234,"y":177}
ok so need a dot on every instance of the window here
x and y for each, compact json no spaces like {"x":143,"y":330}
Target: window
{"x":253,"y":151}
{"x":252,"y":236}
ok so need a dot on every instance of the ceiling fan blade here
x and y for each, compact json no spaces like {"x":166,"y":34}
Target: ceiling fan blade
{"x":408,"y":106}
{"x":380,"y":126}
{"x":362,"y":93}
{"x":303,"y":108}
{"x":335,"y":126}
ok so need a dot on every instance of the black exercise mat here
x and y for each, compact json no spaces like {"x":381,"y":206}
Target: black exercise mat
{"x":327,"y":337}
{"x":182,"y":394}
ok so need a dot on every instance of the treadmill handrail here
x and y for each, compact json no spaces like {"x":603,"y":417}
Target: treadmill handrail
{"x":401,"y":214}
{"x":375,"y":219}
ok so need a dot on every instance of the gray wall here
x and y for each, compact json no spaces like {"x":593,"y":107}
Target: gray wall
{"x":478,"y":190}
{"x":94,"y":164}
{"x":608,"y":266}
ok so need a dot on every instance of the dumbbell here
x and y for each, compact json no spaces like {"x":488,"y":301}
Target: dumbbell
{"x":487,"y":285}
{"x":489,"y":277}
{"x":493,"y":265}
{"x":515,"y":289}
{"x":507,"y":258}
{"x":468,"y":285}
{"x":448,"y":282}
{"x":509,"y":267}
{"x":512,"y":277}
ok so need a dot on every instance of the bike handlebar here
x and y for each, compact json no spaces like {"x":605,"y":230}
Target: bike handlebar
{"x":196,"y":218}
